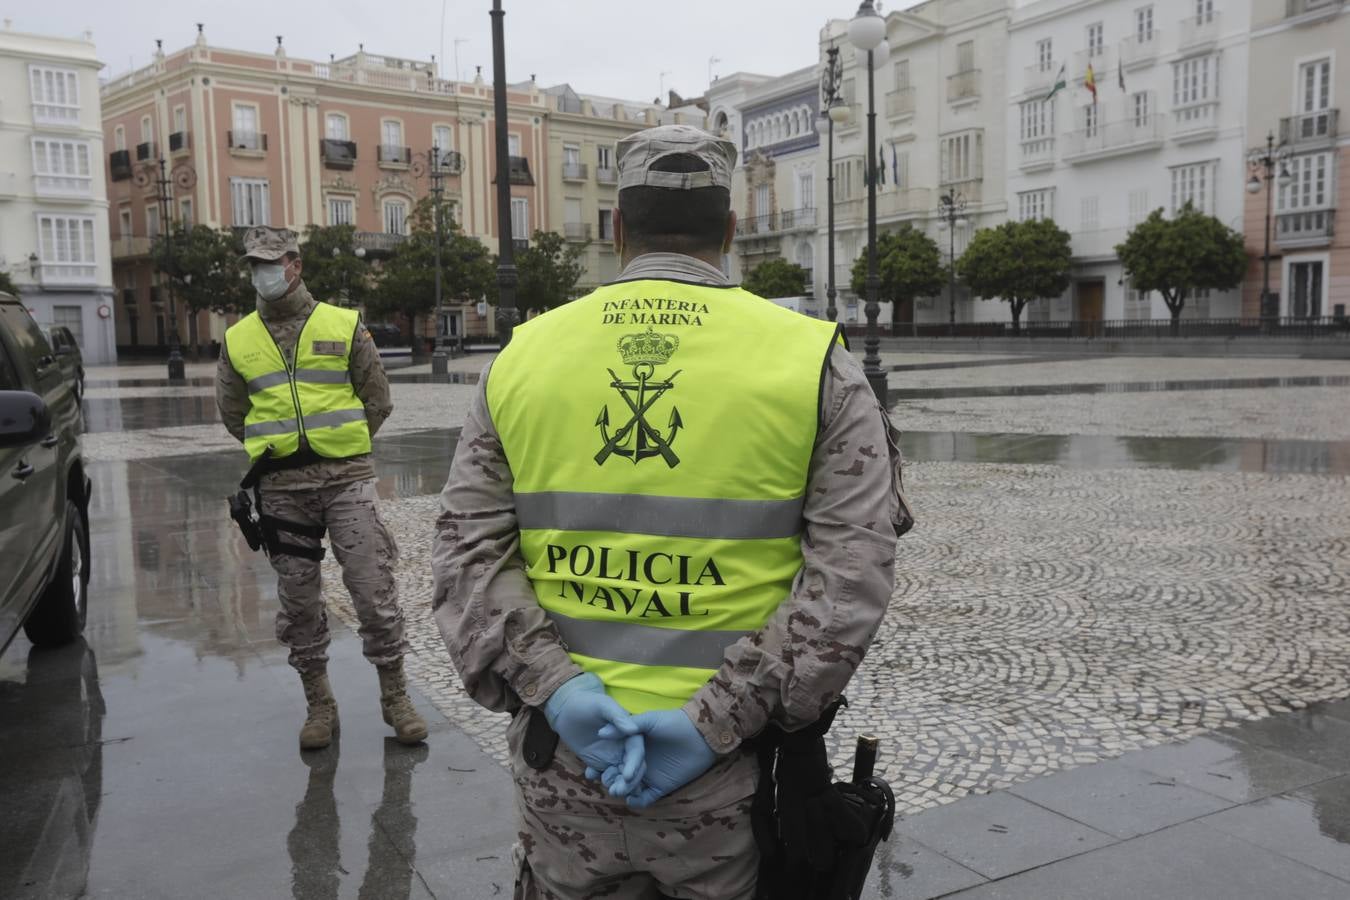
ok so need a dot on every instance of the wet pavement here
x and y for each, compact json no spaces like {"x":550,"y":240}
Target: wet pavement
{"x":1112,"y":667}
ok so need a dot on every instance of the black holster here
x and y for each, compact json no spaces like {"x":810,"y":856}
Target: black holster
{"x":263,"y":531}
{"x":816,"y":836}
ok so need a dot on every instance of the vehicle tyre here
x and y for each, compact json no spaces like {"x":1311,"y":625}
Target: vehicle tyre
{"x":60,"y":612}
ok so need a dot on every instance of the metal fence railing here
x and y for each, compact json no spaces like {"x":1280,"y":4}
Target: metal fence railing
{"x":1288,"y":327}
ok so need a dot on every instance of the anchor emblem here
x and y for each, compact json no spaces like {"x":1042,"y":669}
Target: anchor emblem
{"x":637,"y":439}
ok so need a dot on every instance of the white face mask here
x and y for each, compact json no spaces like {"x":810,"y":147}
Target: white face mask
{"x":269,"y":280}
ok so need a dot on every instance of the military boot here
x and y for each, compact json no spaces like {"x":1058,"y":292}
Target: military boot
{"x":321,"y":722}
{"x":409,"y":727}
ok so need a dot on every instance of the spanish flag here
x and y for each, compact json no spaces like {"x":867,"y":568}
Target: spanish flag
{"x":1090,"y":82}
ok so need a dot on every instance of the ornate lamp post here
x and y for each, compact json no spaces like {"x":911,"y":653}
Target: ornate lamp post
{"x":507,"y":316}
{"x":1264,"y":163}
{"x":433,"y":165}
{"x":951,"y":214}
{"x":183,"y":177}
{"x":359,"y":253}
{"x":867,"y":32}
{"x":836,"y":112}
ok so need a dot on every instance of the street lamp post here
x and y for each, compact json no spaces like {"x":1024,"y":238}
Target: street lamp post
{"x":507,"y":316}
{"x":434,"y":169}
{"x":359,"y":253}
{"x":835,"y":112}
{"x":951,"y":214}
{"x":1268,"y":163}
{"x":866,"y":31}
{"x":185,"y":178}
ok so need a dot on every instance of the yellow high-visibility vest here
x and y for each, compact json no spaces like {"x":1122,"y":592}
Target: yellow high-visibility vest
{"x":310,"y":399}
{"x":659,"y":435}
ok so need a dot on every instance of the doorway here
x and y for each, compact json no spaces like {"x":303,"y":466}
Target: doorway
{"x":1089,"y":308}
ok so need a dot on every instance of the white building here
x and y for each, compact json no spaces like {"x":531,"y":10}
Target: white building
{"x":53,"y":196}
{"x":1167,"y":127}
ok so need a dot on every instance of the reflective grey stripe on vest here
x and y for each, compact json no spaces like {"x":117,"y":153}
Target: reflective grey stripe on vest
{"x":312,"y":376}
{"x":645,"y":645}
{"x":322,"y":420}
{"x":693,"y":517}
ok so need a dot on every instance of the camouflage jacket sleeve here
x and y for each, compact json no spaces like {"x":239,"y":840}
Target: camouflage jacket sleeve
{"x":369,"y":380}
{"x":790,"y":670}
{"x":506,"y":650}
{"x":231,"y":395}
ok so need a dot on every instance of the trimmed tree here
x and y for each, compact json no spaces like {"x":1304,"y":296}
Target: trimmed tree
{"x":204,"y":268}
{"x":1177,"y":257}
{"x":342,"y":279}
{"x":776,"y":278}
{"x":7,"y":284}
{"x":548,"y":271}
{"x":1017,"y":262}
{"x":909,"y":264}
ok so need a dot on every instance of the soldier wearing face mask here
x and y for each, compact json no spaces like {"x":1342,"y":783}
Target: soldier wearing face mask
{"x":300,"y":384}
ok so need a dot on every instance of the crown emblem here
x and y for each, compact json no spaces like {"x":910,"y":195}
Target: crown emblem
{"x":649,"y":348}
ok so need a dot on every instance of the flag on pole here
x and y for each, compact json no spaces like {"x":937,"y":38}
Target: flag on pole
{"x":881,"y":165}
{"x":1060,"y":83}
{"x":1090,"y":82}
{"x":1120,"y":74}
{"x":895,"y":168}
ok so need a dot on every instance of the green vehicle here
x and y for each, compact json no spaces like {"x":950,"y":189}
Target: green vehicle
{"x":44,"y":488}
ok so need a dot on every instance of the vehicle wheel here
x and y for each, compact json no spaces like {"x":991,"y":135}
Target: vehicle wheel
{"x":60,"y":613}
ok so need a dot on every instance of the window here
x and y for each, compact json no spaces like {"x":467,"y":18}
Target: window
{"x":61,"y":167}
{"x":1140,"y":109}
{"x":604,"y":157}
{"x":391,"y":136}
{"x":1314,"y":86}
{"x":962,"y":157}
{"x":152,"y":222}
{"x":71,"y":317}
{"x":848,"y":91}
{"x":66,"y":246}
{"x":1143,"y":24}
{"x":571,"y":155}
{"x":147,"y":130}
{"x":520,"y":218}
{"x":119,"y":138}
{"x":965,"y":56}
{"x":341,"y":211}
{"x":513,"y":144}
{"x":55,"y":94}
{"x":336,"y":127}
{"x":1038,"y":120}
{"x":1305,"y":289}
{"x":124,"y":222}
{"x":1036,"y":204}
{"x":245,"y":132}
{"x":1139,"y":304}
{"x":902,"y":75}
{"x":1095,"y":43}
{"x":761,"y":200}
{"x":1138,"y":206}
{"x":1045,"y":58}
{"x":442,"y":136}
{"x":1088,"y":217}
{"x":1193,"y":184}
{"x":179,"y":119}
{"x":849,"y":178}
{"x":396,"y":216}
{"x":1090,"y":120}
{"x":806,"y":190}
{"x":185,"y":211}
{"x":1310,"y":186}
{"x":606,"y":229}
{"x":1204,"y":11}
{"x":1195,"y":81}
{"x":572,"y":211}
{"x":806,"y":258}
{"x":249,"y":202}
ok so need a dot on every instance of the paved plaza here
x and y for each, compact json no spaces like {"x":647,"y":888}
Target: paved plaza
{"x":1112,"y":661}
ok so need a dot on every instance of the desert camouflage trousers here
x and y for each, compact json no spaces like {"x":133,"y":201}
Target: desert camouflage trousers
{"x":364,"y":549}
{"x":576,"y":842}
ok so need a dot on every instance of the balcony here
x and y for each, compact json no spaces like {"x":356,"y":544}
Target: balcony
{"x":1195,"y":122}
{"x":574,"y":171}
{"x":392,"y":156}
{"x":1038,"y":154}
{"x":337,"y":154}
{"x":1103,"y":64}
{"x":963,"y":86}
{"x":1305,"y":228}
{"x":520,"y":244}
{"x":146,"y":151}
{"x":1310,"y":130}
{"x":579,"y":232}
{"x":1199,"y":32}
{"x":1133,"y":135}
{"x":180,"y":142}
{"x":377,"y":243}
{"x":518,"y":170}
{"x":902,"y":203}
{"x":119,"y":165}
{"x":606,"y":175}
{"x":130,"y":247}
{"x":1039,"y":79}
{"x":856,"y":116}
{"x":900,"y":103}
{"x":753,"y":226}
{"x":63,"y":187}
{"x":1315,"y":10}
{"x":246,"y":143}
{"x":803,"y":219}
{"x":1136,"y":52}
{"x":797,"y":219}
{"x":452,"y":162}
{"x":67,"y":274}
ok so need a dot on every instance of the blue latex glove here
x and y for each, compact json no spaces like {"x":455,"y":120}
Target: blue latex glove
{"x":676,"y":755}
{"x":578,"y":709}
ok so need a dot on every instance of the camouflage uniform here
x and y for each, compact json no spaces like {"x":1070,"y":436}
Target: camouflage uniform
{"x":337,"y":493}
{"x":574,"y":840}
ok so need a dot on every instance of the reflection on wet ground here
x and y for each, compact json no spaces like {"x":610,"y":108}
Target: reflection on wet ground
{"x":1129,"y":387}
{"x":195,"y":381}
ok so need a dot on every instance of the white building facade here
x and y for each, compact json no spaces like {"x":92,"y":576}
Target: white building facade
{"x":1165,"y":128}
{"x":53,"y":196}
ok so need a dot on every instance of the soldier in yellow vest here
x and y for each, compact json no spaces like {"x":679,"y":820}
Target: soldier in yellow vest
{"x":301,"y":385}
{"x":670,"y":522}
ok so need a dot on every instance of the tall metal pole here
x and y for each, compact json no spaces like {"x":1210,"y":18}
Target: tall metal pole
{"x":951,"y":273}
{"x":507,"y":316}
{"x":438,"y":355}
{"x":176,"y":367}
{"x":831,"y":97}
{"x":876,"y":376}
{"x":1265,"y":257}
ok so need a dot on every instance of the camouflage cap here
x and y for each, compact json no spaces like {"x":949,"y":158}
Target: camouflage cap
{"x":637,"y":152}
{"x":265,"y":243}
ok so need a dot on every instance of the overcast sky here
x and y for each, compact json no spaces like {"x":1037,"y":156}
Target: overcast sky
{"x":617,"y":48}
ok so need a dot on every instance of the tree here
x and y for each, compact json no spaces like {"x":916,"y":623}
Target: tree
{"x":1017,"y":262}
{"x":203,"y":268}
{"x":7,"y":284}
{"x":548,"y":271}
{"x":909,"y":264}
{"x":342,"y":278}
{"x":1190,"y":252}
{"x":776,"y":278}
{"x":407,"y":282}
